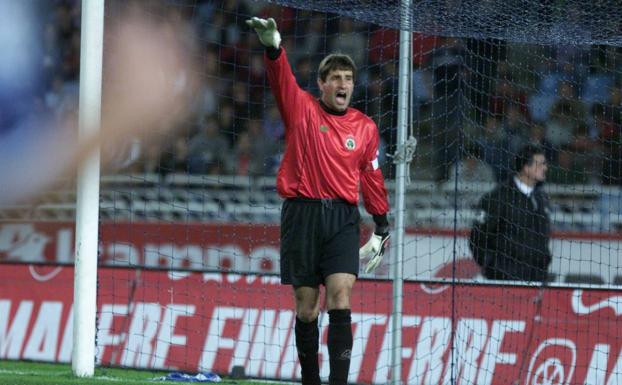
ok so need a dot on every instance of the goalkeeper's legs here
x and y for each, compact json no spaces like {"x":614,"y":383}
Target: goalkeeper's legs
{"x":307,"y":333}
{"x":338,"y":293}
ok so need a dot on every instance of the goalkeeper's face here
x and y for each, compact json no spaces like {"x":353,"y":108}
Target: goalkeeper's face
{"x":336,"y":90}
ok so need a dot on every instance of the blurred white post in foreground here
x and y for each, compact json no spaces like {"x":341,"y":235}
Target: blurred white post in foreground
{"x":150,"y":79}
{"x":87,"y":207}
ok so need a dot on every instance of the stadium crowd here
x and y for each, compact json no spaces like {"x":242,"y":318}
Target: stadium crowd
{"x":474,"y":101}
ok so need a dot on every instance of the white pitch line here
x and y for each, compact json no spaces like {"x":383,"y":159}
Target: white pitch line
{"x":52,"y":374}
{"x":19,"y":372}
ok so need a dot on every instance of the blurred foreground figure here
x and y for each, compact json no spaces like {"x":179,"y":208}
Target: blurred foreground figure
{"x":147,"y":82}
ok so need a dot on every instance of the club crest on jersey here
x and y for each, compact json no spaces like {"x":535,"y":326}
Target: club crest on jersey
{"x":350,"y":143}
{"x":323,"y":128}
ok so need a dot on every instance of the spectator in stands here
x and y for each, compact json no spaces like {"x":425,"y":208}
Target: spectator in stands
{"x":212,"y":31}
{"x":506,"y":95}
{"x":232,"y":28}
{"x":256,"y":71}
{"x":537,"y":137}
{"x":566,"y":170}
{"x":448,"y":61}
{"x":331,"y":150}
{"x":241,"y":161}
{"x":373,"y":103}
{"x":273,"y":125}
{"x":294,"y":53}
{"x":510,"y":238}
{"x":252,"y":153}
{"x":241,"y":105}
{"x":304,"y":75}
{"x":350,"y":41}
{"x":228,"y":124}
{"x":515,"y":127}
{"x":464,"y":175}
{"x":567,"y":113}
{"x":379,"y":101}
{"x":207,"y":97}
{"x":609,"y":126}
{"x":587,"y":153}
{"x":608,"y":123}
{"x":256,"y":79}
{"x":312,"y":42}
{"x":207,"y":149}
{"x":383,"y":45}
{"x":470,"y":169}
{"x":494,"y":148}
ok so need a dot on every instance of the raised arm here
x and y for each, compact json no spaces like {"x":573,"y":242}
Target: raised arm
{"x":289,"y":96}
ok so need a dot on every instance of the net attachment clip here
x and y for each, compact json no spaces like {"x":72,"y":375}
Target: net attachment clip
{"x":404,"y":154}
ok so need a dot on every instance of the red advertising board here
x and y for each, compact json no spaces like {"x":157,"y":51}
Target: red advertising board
{"x":468,"y":334}
{"x":255,"y":248}
{"x":199,"y":246}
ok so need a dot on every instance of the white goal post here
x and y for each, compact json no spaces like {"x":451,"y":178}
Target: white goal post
{"x":87,"y":208}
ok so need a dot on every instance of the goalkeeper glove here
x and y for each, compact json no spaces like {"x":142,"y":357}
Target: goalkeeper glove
{"x":374,"y":248}
{"x":266,"y":30}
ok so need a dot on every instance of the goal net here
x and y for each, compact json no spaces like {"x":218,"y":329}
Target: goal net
{"x":189,"y":215}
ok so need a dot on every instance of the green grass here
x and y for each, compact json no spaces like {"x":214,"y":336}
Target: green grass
{"x":34,"y":373}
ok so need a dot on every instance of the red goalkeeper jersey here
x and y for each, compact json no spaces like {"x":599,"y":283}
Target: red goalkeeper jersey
{"x":327,"y":154}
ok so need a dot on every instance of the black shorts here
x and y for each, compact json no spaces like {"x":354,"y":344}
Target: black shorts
{"x":318,"y":238}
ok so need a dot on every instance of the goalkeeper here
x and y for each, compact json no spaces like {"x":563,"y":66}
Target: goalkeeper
{"x":331,"y":149}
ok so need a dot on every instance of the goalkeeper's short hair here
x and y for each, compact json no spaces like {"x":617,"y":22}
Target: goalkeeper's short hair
{"x":333,"y":62}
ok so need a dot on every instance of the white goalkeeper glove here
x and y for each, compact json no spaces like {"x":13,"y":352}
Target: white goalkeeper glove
{"x":374,"y":249}
{"x":266,"y":30}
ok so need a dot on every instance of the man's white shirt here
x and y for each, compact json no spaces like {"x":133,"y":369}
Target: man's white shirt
{"x":527,"y":190}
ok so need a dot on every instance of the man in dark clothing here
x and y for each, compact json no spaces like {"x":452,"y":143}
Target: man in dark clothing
{"x":331,"y":150}
{"x":510,"y":238}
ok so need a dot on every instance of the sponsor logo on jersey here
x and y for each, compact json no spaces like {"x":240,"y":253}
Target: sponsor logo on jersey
{"x":350,"y":143}
{"x":323,"y":128}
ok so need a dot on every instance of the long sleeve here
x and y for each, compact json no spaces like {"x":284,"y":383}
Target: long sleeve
{"x":289,"y":96}
{"x":372,"y":181}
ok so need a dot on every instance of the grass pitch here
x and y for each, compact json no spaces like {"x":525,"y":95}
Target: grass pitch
{"x":34,"y":373}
